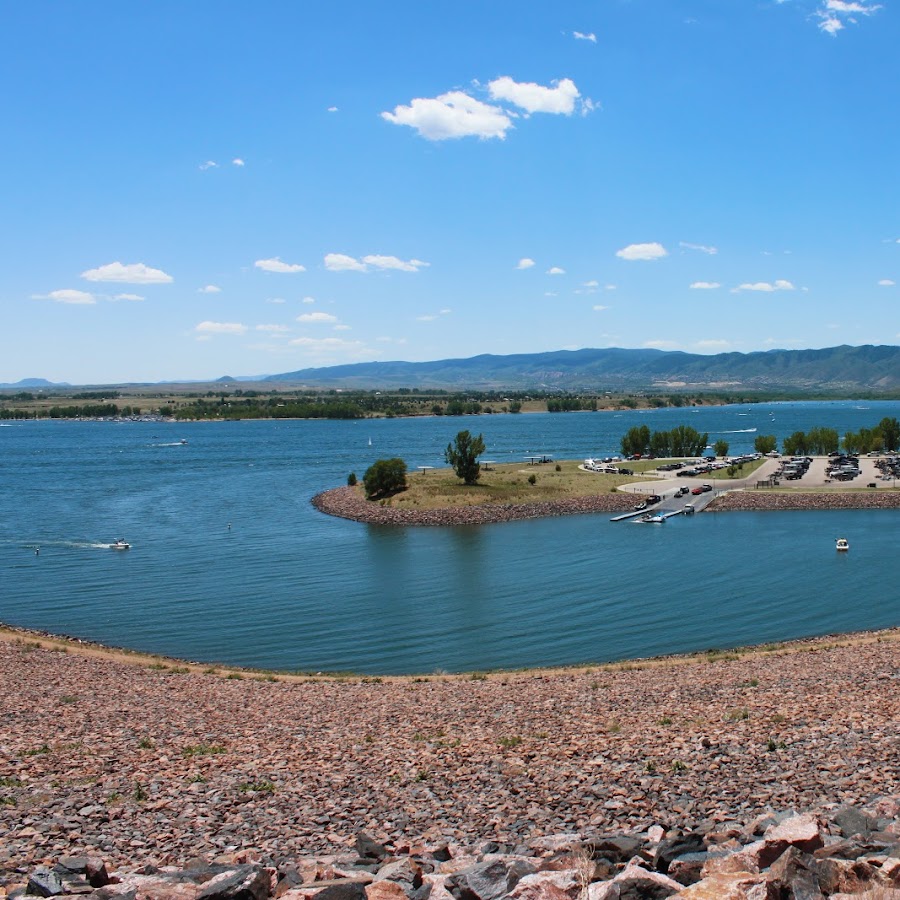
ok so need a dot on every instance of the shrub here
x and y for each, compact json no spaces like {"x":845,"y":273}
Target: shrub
{"x":351,"y":479}
{"x":532,"y":479}
{"x":384,"y":477}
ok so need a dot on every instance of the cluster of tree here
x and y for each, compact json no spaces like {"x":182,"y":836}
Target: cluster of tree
{"x":251,"y":409}
{"x":89,"y":411}
{"x":815,"y":442}
{"x":680,"y":441}
{"x":96,"y":395}
{"x":884,"y":436}
{"x":765,"y":443}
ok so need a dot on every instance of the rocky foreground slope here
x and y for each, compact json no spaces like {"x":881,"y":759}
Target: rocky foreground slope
{"x":600,"y":783}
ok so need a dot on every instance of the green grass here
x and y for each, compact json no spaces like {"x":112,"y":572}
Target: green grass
{"x":202,"y":750}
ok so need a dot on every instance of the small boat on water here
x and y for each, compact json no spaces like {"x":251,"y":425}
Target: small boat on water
{"x":120,"y":544}
{"x":842,"y":544}
{"x":652,"y":519}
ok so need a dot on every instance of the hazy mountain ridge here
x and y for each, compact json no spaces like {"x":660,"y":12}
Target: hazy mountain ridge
{"x":834,"y":368}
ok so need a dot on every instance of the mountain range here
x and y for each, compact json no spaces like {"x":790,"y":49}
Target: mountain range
{"x":833,"y":369}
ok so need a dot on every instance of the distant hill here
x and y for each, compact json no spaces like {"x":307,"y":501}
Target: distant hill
{"x":838,"y":369}
{"x":35,"y":383}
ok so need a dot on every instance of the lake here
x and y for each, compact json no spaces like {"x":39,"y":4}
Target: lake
{"x":230,"y":563}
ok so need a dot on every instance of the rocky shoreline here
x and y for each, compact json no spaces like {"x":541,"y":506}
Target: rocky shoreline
{"x":165,"y":766}
{"x":349,"y":503}
{"x":753,"y":501}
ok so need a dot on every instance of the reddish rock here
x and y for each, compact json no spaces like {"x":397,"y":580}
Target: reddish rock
{"x":635,"y":882}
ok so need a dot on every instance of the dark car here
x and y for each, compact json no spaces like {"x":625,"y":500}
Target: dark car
{"x":705,"y":487}
{"x":684,"y":489}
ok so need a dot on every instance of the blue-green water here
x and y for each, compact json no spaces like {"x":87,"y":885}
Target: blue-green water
{"x":286,"y":587}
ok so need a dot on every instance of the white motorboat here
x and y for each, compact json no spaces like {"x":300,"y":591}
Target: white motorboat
{"x":652,"y":520}
{"x":842,"y":544}
{"x":120,"y":544}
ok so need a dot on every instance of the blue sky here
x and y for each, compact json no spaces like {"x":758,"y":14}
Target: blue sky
{"x":198,"y":189}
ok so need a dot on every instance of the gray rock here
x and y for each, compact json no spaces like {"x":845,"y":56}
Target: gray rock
{"x":240,"y":883}
{"x":44,"y":883}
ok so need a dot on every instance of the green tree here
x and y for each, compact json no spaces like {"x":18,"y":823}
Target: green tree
{"x":384,"y":477}
{"x":765,"y":443}
{"x":890,"y":433}
{"x":721,"y":448}
{"x":796,"y":444}
{"x":636,"y":440}
{"x":463,"y":455}
{"x":687,"y":441}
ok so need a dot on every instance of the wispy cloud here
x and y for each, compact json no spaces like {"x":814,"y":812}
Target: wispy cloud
{"x":886,"y":282}
{"x":765,"y":286}
{"x":713,"y":344}
{"x":272,"y":329}
{"x":599,"y":307}
{"x":68,"y":295}
{"x":525,"y":263}
{"x":660,"y":344}
{"x":556,"y":270}
{"x":705,"y":285}
{"x":209,"y":164}
{"x":276,"y":265}
{"x":635,"y":252}
{"x":835,"y":15}
{"x":340,"y":262}
{"x":585,"y":36}
{"x":134,"y":297}
{"x":317,"y":318}
{"x":132,"y":273}
{"x":210,"y":328}
{"x":237,"y":161}
{"x":210,"y":289}
{"x":703,"y":248}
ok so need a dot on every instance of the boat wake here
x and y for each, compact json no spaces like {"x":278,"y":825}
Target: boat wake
{"x":738,"y":431}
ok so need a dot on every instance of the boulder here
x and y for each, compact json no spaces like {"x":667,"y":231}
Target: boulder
{"x":802,"y":832}
{"x":635,"y":883}
{"x":852,"y":821}
{"x":678,"y":846}
{"x":548,"y":886}
{"x":731,"y":886}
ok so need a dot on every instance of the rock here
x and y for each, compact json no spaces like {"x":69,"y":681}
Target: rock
{"x":242,"y":883}
{"x":675,"y":847}
{"x":853,"y":822}
{"x":731,"y":886}
{"x":44,"y":883}
{"x":845,"y":876}
{"x":618,"y":848}
{"x":688,"y":868}
{"x":487,"y":881}
{"x":386,"y":890}
{"x":802,"y":832}
{"x":794,"y":873}
{"x":369,"y":848}
{"x":548,"y":886}
{"x":635,"y":883}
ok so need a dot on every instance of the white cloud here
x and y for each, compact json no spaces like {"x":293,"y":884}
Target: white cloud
{"x":317,"y":318}
{"x":765,"y":286}
{"x":712,"y":344}
{"x":642,"y":252}
{"x":340,"y":262}
{"x":209,"y":164}
{"x":599,"y":308}
{"x":446,"y":312}
{"x":886,"y":282}
{"x":525,"y":263}
{"x":68,"y":295}
{"x":210,"y":289}
{"x":273,"y":329}
{"x":209,"y":328}
{"x":425,"y":318}
{"x":535,"y":97}
{"x":342,"y":328}
{"x":332,"y":109}
{"x":705,"y":285}
{"x":610,"y":287}
{"x":308,"y":300}
{"x":550,"y":294}
{"x":392,"y":262}
{"x":237,"y":161}
{"x":276,"y":300}
{"x":276,"y":265}
{"x":660,"y":345}
{"x":833,"y":14}
{"x":556,"y":270}
{"x":128,"y":297}
{"x":712,"y":251}
{"x":451,"y":115}
{"x":593,"y":283}
{"x":581,"y":36}
{"x":133,"y":273}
